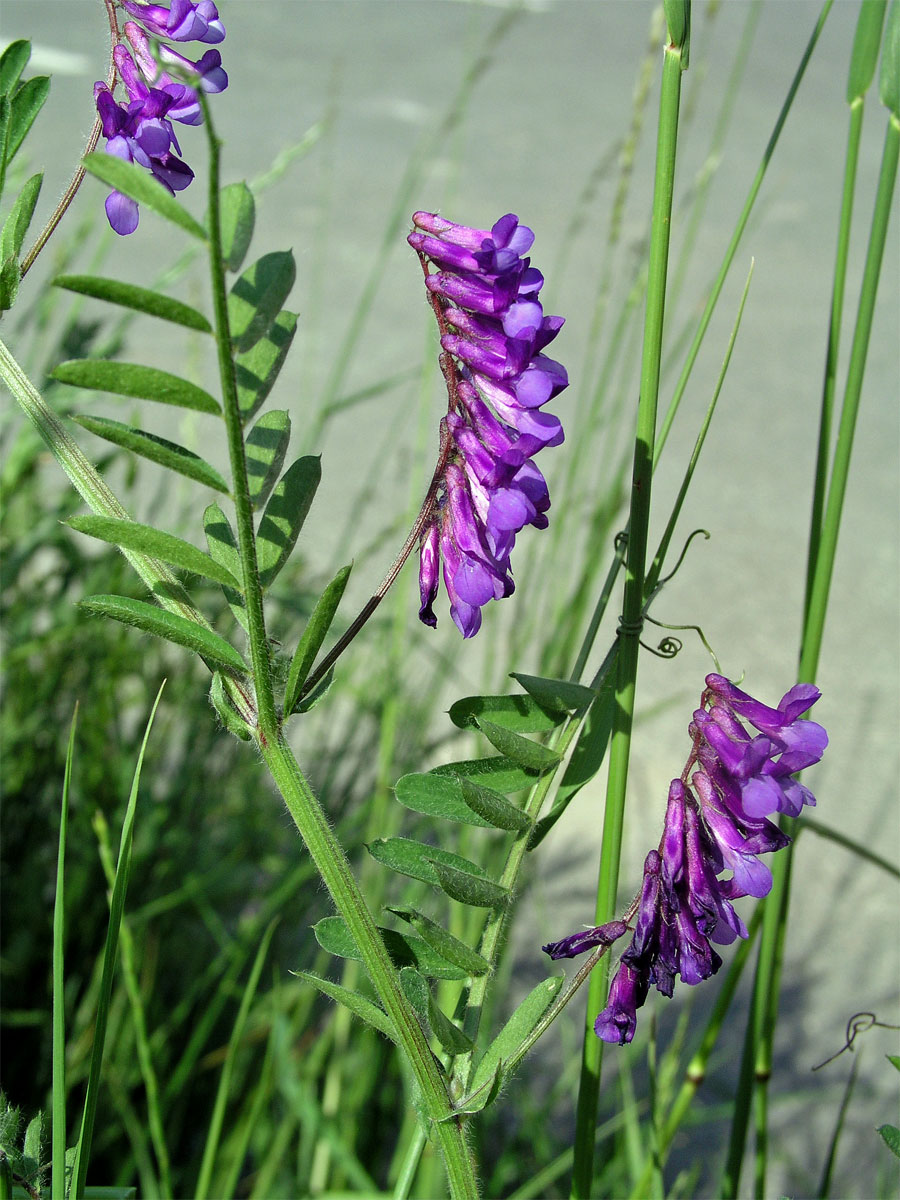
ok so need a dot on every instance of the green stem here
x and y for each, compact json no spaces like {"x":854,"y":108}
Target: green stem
{"x":243,"y":508}
{"x":629,"y":633}
{"x":58,"y":1126}
{"x":328,"y":855}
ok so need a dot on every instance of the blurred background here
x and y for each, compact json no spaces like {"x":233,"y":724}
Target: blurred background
{"x":352,"y":114}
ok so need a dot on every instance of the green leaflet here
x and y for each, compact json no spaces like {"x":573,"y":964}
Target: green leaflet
{"x":171,"y":549}
{"x":313,"y":635}
{"x":256,"y":297}
{"x":168,"y":625}
{"x":224,"y":549}
{"x":237,"y":215}
{"x":468,"y":888}
{"x":139,"y":382}
{"x":16,"y":224}
{"x":497,"y":773}
{"x":493,"y":807}
{"x":486,"y":1093}
{"x":157,"y":449}
{"x":141,"y":299}
{"x":358,"y":1005}
{"x":520,"y":749}
{"x":284,"y":516}
{"x":405,"y":950}
{"x":256,"y":370}
{"x":417,"y":859}
{"x":133,"y":181}
{"x":26,"y":102}
{"x":516,"y":1030}
{"x":418,"y":993}
{"x":440,"y":940}
{"x":230,"y":717}
{"x":13,"y":62}
{"x":319,"y":692}
{"x":265,"y":447}
{"x":437,"y":796}
{"x":559,"y":695}
{"x":523,"y":714}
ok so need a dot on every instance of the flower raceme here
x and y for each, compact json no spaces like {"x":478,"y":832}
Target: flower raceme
{"x":493,"y":333}
{"x":140,"y":129}
{"x":717,"y":820}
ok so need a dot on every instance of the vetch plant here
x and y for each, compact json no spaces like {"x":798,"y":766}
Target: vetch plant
{"x":421,"y":919}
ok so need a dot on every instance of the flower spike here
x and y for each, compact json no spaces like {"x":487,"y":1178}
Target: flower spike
{"x":493,"y":333}
{"x":716,"y":821}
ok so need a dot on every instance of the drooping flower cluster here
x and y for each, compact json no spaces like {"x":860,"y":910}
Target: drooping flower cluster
{"x":716,"y":821}
{"x":493,"y":333}
{"x":140,"y":130}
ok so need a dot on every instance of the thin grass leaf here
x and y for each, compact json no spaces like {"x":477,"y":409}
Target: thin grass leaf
{"x":443,"y":942}
{"x":116,"y":911}
{"x":257,"y":296}
{"x":58,"y":1116}
{"x":418,"y":859}
{"x":132,"y":180}
{"x":223,"y":548}
{"x":493,"y":807}
{"x":357,"y":1004}
{"x":889,"y":75}
{"x":140,"y":299}
{"x":237,"y":215}
{"x":265,"y":448}
{"x":157,"y":449}
{"x":237,"y":1033}
{"x":557,"y":695}
{"x":256,"y":370}
{"x":516,"y":1030}
{"x":137,"y":381}
{"x":866,"y":44}
{"x":313,"y":636}
{"x":164,"y":624}
{"x":521,"y":750}
{"x":13,"y":62}
{"x":522,"y":714}
{"x":405,"y":950}
{"x":437,"y":796}
{"x":26,"y":102}
{"x":131,"y":535}
{"x":284,"y":516}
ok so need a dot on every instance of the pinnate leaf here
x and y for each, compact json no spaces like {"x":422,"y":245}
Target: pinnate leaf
{"x":516,"y":1030}
{"x":257,"y":369}
{"x":257,"y":296}
{"x":285,"y":514}
{"x":443,"y":942}
{"x":131,"y":535}
{"x":523,"y":714}
{"x":139,"y":382}
{"x":141,"y":299}
{"x":359,"y":1005}
{"x":313,"y":635}
{"x":132,"y":180}
{"x":168,"y":625}
{"x":157,"y":449}
{"x":405,"y":950}
{"x":266,"y":446}
{"x":237,"y":215}
{"x":520,"y":749}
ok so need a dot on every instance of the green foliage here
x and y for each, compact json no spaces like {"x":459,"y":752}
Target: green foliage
{"x":357,"y":1004}
{"x":257,"y":296}
{"x":156,"y":449}
{"x":139,"y":382}
{"x":133,"y":180}
{"x":333,"y":935}
{"x":237,"y":214}
{"x":284,"y":515}
{"x":171,"y":549}
{"x":265,"y":447}
{"x":889,"y":79}
{"x":11,"y":238}
{"x":140,"y":299}
{"x":313,"y":636}
{"x":517,"y":1029}
{"x":257,"y":369}
{"x":168,"y":625}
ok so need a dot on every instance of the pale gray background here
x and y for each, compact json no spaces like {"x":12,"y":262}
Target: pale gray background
{"x":557,"y":96}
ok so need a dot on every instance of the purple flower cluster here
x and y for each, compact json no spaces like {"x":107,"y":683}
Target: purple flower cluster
{"x":493,"y":333}
{"x":141,"y":130}
{"x":716,"y":821}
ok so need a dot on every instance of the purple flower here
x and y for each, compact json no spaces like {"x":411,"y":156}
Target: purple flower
{"x":493,"y":333}
{"x":715,"y":829}
{"x":140,"y":129}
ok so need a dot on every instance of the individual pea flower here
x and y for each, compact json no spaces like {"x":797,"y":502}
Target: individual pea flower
{"x":140,"y":128}
{"x":493,"y":334}
{"x":716,"y":821}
